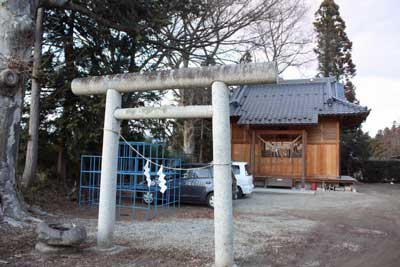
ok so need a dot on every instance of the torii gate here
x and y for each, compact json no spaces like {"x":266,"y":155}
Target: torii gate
{"x":218,"y":77}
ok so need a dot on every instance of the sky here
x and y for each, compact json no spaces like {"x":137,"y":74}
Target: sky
{"x":374,"y":28}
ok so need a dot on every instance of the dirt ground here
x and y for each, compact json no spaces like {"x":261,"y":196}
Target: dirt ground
{"x":328,"y":229}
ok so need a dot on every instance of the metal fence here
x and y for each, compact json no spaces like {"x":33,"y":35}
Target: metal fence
{"x":133,"y":192}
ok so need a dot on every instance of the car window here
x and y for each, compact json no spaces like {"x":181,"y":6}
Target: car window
{"x":235,"y":169}
{"x":203,"y":173}
{"x":247,"y":169}
{"x":190,"y":174}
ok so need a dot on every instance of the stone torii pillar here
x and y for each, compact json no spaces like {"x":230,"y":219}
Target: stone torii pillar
{"x":218,"y":77}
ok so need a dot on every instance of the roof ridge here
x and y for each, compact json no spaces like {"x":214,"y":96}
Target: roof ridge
{"x":308,"y":81}
{"x":345,"y":102}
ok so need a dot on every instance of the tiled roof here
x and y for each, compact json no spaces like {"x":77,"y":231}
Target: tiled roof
{"x":292,"y":102}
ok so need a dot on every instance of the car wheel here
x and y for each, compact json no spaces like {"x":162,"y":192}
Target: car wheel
{"x":148,"y":197}
{"x":240,"y":192}
{"x":210,"y":200}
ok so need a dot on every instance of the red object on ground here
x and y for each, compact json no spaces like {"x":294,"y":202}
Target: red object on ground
{"x":314,"y":186}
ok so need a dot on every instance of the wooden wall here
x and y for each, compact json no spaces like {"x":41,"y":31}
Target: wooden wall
{"x":323,"y":149}
{"x":322,"y":153}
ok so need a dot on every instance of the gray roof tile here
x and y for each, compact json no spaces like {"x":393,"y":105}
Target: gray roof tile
{"x":292,"y":102}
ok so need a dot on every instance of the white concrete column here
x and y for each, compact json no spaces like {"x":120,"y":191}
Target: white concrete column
{"x":223,"y":219}
{"x":109,"y":164}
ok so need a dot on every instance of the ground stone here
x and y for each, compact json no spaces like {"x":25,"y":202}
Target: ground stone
{"x":61,"y":234}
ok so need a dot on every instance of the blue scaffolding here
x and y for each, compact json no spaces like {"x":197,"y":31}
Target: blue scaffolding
{"x":133,"y":192}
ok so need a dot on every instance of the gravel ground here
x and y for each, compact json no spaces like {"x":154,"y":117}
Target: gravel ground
{"x":267,"y":202}
{"x":261,"y":221}
{"x":328,"y":229}
{"x":196,"y":235}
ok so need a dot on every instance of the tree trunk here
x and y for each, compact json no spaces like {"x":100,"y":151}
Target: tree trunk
{"x":68,"y":106}
{"x":32,"y":147}
{"x":189,"y":141}
{"x":201,"y":149}
{"x":16,"y":36}
{"x":187,"y":98}
{"x":205,"y":140}
{"x":62,"y":166}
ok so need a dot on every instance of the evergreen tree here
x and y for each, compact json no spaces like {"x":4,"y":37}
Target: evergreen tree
{"x":75,"y":45}
{"x":334,"y":47}
{"x":355,"y":149}
{"x":334,"y":59}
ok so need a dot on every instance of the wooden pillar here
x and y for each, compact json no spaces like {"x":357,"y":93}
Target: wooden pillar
{"x":253,"y":152}
{"x":338,"y":149}
{"x":304,"y":159}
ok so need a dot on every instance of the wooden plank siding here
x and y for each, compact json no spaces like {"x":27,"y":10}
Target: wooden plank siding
{"x":322,"y":151}
{"x":322,"y":160}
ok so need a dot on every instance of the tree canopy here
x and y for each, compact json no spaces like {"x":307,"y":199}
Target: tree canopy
{"x":334,"y":47}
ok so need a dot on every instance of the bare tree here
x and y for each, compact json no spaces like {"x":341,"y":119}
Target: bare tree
{"x":204,"y":38}
{"x":281,"y":35}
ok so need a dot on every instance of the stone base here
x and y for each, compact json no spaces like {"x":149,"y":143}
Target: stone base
{"x":108,"y":251}
{"x":213,"y":265}
{"x":46,"y":249}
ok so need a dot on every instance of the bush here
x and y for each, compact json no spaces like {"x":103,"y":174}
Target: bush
{"x":378,"y":171}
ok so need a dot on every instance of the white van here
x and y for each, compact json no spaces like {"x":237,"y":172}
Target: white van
{"x":243,"y":177}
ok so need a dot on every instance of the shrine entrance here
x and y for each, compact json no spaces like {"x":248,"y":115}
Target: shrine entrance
{"x":279,"y":157}
{"x":216,"y":77}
